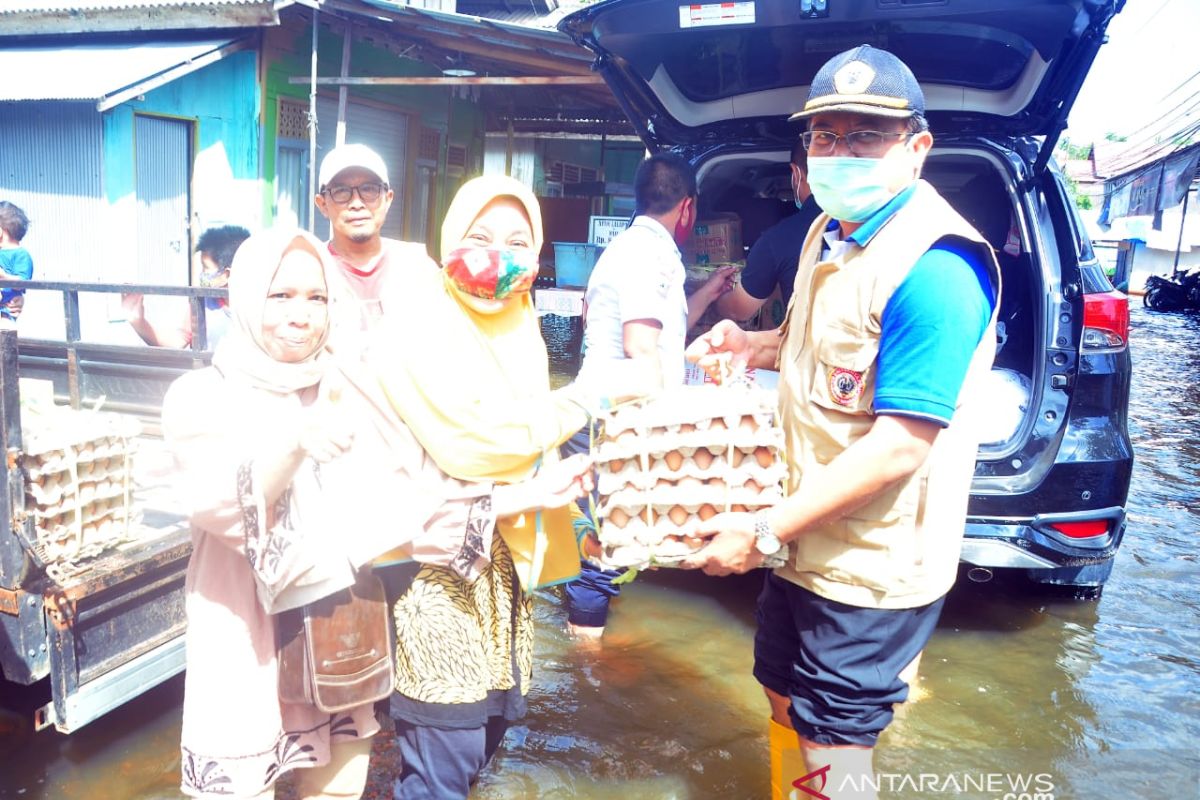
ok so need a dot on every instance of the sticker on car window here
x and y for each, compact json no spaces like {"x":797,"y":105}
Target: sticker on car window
{"x":699,"y":15}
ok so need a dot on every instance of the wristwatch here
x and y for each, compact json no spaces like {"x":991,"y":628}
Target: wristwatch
{"x":765,"y":540}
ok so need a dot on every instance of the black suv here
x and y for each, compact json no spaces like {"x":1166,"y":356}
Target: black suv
{"x":716,"y":82}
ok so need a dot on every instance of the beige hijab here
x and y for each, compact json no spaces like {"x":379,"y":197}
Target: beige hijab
{"x":241,"y":356}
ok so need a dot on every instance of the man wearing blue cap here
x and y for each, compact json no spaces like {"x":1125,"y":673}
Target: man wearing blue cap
{"x":890,"y":332}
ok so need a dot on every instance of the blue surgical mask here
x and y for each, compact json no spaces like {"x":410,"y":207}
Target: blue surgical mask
{"x":849,"y":189}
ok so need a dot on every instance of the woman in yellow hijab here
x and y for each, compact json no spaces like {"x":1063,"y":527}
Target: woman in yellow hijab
{"x":462,"y":362}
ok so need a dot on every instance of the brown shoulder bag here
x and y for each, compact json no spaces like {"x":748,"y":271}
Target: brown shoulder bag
{"x":336,"y":653}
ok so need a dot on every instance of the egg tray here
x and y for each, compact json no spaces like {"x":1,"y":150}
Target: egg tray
{"x":78,"y":491}
{"x":670,"y":462}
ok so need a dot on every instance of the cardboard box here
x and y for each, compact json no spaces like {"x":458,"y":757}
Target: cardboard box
{"x":771,"y":315}
{"x":716,"y":240}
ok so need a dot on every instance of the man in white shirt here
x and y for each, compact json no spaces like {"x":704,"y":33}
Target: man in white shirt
{"x":636,"y":309}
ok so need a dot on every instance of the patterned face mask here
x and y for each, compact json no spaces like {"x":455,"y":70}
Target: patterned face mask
{"x":492,"y":273}
{"x":216,"y":279}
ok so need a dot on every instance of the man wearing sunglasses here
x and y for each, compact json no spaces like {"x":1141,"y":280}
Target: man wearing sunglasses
{"x":355,"y":197}
{"x":889,"y":336}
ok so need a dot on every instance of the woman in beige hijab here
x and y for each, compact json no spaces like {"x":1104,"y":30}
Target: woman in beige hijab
{"x":293,"y":483}
{"x":246,"y":436}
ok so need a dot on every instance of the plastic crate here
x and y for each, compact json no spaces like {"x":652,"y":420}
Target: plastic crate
{"x":573,"y":262}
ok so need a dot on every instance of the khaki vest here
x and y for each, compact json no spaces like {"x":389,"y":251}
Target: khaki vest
{"x":901,"y":549}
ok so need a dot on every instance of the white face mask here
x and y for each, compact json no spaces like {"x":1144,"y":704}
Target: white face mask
{"x":850,"y":189}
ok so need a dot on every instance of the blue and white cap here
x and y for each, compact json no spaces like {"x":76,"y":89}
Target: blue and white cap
{"x":864,"y":80}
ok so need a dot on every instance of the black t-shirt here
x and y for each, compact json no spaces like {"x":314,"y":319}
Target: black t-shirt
{"x":775,"y":257}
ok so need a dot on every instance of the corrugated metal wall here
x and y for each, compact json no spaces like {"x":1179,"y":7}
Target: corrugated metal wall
{"x":50,"y":165}
{"x":162,"y":179}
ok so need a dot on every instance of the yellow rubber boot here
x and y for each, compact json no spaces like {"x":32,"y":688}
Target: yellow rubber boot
{"x":781,"y":738}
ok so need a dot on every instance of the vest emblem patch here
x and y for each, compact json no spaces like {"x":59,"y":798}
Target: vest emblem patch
{"x":845,"y":386}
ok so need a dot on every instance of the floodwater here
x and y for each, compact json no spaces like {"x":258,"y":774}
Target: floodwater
{"x":1095,"y":700}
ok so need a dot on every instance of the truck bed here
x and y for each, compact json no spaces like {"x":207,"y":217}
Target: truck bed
{"x":103,"y":634}
{"x":116,"y":628}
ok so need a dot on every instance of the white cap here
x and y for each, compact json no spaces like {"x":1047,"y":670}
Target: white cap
{"x":347,"y":156}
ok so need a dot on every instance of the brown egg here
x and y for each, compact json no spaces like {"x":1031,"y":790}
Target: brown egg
{"x":715,"y":482}
{"x":616,"y":465}
{"x":717,"y":424}
{"x":618,"y":517}
{"x":703,"y":458}
{"x":749,"y":423}
{"x":707,"y":511}
{"x":678,"y":515}
{"x":674,"y":459}
{"x":693,"y":542}
{"x":687,"y":427}
{"x":764,"y":455}
{"x":663,"y":483}
{"x":753,"y":485}
{"x":737,"y":508}
{"x":736,"y":456}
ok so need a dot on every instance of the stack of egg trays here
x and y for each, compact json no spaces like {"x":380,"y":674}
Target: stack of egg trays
{"x":78,"y":488}
{"x":669,"y":462}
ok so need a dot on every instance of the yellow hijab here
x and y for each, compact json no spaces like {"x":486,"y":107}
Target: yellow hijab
{"x":474,"y":386}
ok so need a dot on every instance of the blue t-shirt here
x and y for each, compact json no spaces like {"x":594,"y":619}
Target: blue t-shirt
{"x":17,"y":262}
{"x":931,"y":327}
{"x":775,"y":257}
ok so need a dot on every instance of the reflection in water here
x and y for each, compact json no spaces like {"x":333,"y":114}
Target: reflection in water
{"x":1102,"y":695}
{"x":132,"y":752}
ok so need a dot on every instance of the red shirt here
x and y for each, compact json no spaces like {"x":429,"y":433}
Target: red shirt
{"x":367,"y":283}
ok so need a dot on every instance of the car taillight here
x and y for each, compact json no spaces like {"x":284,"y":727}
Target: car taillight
{"x":1105,"y":322}
{"x":1082,"y":529}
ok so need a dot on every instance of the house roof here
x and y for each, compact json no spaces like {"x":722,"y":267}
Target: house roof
{"x":108,"y":73}
{"x":530,"y":13}
{"x":485,"y":47}
{"x":69,"y":6}
{"x":1080,"y":170}
{"x":49,"y":17}
{"x":1106,"y":155}
{"x":488,"y":47}
{"x":533,"y":10}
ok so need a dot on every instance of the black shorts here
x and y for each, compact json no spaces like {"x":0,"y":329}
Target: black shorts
{"x":839,"y":664}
